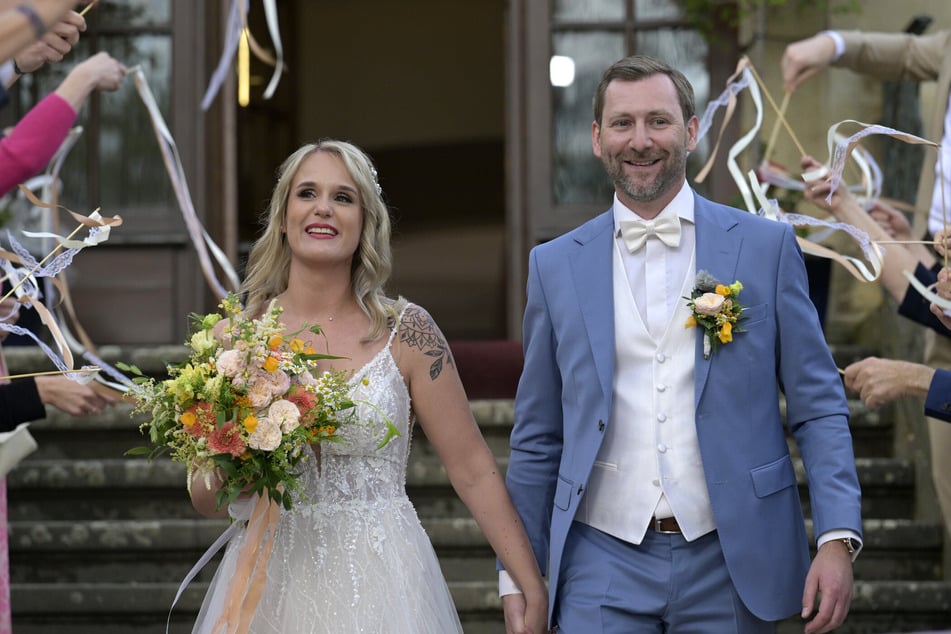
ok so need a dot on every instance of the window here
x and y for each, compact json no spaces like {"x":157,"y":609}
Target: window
{"x":116,"y":163}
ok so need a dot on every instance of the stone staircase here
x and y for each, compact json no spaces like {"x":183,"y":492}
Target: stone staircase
{"x":100,"y":542}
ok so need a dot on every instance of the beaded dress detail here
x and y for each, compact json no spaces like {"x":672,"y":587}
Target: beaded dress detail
{"x":354,"y":556}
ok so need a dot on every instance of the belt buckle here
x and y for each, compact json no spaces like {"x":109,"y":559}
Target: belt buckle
{"x":657,"y":528}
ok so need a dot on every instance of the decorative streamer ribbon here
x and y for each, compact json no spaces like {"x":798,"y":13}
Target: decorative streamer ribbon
{"x":24,"y":283}
{"x":238,"y":22}
{"x":176,"y":172}
{"x":742,"y":78}
{"x":841,"y":148}
{"x":872,"y":252}
{"x":753,"y":192}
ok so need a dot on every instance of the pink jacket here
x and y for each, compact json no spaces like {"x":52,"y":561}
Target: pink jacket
{"x":34,"y":140}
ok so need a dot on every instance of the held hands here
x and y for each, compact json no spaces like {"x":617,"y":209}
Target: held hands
{"x":805,"y":58}
{"x":830,"y":576}
{"x":526,"y":615}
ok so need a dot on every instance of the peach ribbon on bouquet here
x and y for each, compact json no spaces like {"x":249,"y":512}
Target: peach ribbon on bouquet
{"x":247,"y":582}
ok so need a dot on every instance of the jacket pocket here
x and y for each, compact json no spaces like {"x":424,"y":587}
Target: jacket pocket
{"x":752,"y":315}
{"x":773,"y":477}
{"x":563,"y":493}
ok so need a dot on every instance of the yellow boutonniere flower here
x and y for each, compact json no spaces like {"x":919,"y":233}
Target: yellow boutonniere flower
{"x":715,"y":307}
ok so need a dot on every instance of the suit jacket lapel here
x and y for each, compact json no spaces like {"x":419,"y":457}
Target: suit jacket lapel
{"x":718,"y":250}
{"x":591,"y":266}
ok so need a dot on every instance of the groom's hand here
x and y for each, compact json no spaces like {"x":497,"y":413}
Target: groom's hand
{"x":523,"y":617}
{"x":830,"y":577}
{"x":513,"y":606}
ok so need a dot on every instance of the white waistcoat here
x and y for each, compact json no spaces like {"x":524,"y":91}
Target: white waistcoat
{"x":650,"y":445}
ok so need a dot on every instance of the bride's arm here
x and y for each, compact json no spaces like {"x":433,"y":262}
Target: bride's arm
{"x":443,"y":411}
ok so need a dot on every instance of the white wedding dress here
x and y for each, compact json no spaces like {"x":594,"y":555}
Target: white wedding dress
{"x":355,"y":558}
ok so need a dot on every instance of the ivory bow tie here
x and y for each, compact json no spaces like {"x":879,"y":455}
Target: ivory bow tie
{"x":635,"y":233}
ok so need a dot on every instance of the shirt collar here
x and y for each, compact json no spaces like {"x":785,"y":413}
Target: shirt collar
{"x":681,"y":205}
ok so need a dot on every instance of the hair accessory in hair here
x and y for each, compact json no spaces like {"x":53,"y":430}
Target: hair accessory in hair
{"x":376,"y":181}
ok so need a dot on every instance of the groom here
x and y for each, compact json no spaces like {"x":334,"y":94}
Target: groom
{"x":655,"y":481}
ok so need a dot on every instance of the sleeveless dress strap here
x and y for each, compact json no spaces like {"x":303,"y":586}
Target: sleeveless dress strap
{"x":396,"y":326}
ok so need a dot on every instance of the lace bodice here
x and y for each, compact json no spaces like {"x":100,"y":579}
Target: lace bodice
{"x":356,"y":469}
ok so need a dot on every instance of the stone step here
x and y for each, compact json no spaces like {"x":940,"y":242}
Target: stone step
{"x":147,"y":551}
{"x":138,"y":551}
{"x":137,"y":488}
{"x":111,"y":608}
{"x":112,"y":433}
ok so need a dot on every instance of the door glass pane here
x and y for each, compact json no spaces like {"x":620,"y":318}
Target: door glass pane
{"x":132,"y":175}
{"x":687,"y":52}
{"x":657,"y":10}
{"x":588,"y":10}
{"x":132,"y":13}
{"x":577,"y":175}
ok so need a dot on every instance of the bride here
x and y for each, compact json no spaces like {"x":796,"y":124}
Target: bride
{"x":353,"y":557}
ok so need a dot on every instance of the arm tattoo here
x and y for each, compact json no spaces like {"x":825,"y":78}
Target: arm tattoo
{"x":418,"y":330}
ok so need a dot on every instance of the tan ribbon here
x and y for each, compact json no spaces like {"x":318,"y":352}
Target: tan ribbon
{"x":250,"y":575}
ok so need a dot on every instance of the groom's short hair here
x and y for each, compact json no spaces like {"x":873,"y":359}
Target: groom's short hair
{"x":637,"y":67}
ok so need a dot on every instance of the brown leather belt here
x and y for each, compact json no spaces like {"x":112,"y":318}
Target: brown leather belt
{"x":665,"y":525}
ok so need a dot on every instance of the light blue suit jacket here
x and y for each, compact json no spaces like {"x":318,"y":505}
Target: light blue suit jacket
{"x":564,"y":401}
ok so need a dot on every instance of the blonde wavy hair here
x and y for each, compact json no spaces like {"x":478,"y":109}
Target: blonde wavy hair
{"x":269,"y":262}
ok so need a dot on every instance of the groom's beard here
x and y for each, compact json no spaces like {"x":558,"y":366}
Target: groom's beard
{"x":672,"y":172}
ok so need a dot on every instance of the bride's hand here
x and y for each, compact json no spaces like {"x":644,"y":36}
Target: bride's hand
{"x":525,"y":617}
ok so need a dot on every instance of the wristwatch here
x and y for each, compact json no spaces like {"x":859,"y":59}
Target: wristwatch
{"x":851,"y":543}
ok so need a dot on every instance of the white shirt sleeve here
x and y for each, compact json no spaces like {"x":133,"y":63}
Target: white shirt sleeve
{"x":839,"y":43}
{"x":829,"y":536}
{"x":507,"y":584}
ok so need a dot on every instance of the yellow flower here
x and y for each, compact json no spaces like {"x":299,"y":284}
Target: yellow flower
{"x":297,"y":345}
{"x":726,"y":333}
{"x":250,"y":423}
{"x":691,"y":322}
{"x":309,"y":350}
{"x":366,"y":381}
{"x":275,"y":342}
{"x":270,"y":364}
{"x":722,"y":290}
{"x":188,"y":419}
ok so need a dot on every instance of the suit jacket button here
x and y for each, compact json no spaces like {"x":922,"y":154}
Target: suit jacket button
{"x":600,"y":425}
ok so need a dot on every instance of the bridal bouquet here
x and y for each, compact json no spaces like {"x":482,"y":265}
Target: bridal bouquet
{"x":248,"y":401}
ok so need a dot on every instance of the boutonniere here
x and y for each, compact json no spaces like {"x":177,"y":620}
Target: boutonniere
{"x":716,"y":309}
